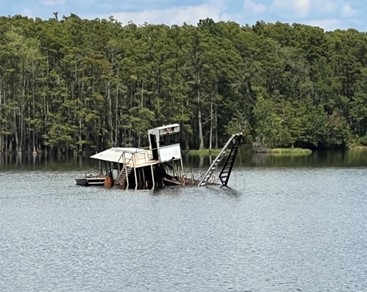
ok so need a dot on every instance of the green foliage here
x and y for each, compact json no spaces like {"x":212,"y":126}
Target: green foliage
{"x":338,"y":133}
{"x":76,"y":83}
{"x":290,"y":151}
{"x":239,"y":124}
{"x":363,"y":140}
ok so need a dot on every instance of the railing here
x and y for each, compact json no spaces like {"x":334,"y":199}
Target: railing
{"x":142,"y":156}
{"x":226,"y":171}
{"x":133,"y":159}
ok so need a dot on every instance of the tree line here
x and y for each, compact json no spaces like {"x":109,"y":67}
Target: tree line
{"x":85,"y":85}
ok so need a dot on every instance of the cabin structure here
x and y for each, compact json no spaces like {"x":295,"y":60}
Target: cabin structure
{"x":158,"y":165}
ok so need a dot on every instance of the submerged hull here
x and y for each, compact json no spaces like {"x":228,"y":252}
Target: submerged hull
{"x":90,"y":181}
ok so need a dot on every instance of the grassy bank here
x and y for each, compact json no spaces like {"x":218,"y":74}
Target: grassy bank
{"x":274,"y":151}
{"x":290,"y":151}
{"x":203,"y":152}
{"x":357,"y":148}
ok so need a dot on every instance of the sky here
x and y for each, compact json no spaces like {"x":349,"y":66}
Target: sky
{"x":327,"y":14}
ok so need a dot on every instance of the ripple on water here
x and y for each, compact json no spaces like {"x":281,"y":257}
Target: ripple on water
{"x":275,"y":230}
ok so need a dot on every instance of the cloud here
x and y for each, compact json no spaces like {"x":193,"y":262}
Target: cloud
{"x":295,"y":8}
{"x":28,"y":12}
{"x":53,"y":2}
{"x":348,"y":11}
{"x":176,"y":15}
{"x":250,"y":6}
{"x":328,"y":14}
{"x":302,"y":7}
{"x":327,"y":24}
{"x":333,"y":8}
{"x":327,"y":7}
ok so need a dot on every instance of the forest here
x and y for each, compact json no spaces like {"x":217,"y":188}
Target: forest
{"x":78,"y":85}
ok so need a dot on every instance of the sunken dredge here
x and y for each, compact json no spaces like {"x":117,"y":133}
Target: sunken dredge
{"x":158,"y":165}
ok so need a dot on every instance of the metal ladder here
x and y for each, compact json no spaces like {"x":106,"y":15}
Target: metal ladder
{"x":236,"y":138}
{"x":227,"y":168}
{"x":121,"y":179}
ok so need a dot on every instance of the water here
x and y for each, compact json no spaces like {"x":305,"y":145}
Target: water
{"x":277,"y":228}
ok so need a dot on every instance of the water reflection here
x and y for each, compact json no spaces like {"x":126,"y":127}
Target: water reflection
{"x":277,"y":229}
{"x":30,"y":161}
{"x":316,"y":159}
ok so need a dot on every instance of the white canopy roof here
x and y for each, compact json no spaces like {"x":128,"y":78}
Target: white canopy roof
{"x":116,"y":154}
{"x":155,"y":131}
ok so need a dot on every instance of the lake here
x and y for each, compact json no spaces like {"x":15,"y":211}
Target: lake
{"x":285,"y":224}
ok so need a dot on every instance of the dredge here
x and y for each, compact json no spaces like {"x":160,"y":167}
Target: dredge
{"x":158,"y":165}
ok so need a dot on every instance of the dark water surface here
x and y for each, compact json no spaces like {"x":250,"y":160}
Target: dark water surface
{"x":278,"y":228}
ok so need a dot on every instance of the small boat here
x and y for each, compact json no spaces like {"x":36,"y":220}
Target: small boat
{"x":91,"y":179}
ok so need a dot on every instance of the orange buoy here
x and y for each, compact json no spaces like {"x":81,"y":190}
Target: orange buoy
{"x":108,"y":182}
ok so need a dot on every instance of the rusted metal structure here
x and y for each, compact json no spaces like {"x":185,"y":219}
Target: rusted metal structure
{"x":138,"y":168}
{"x":158,"y":165}
{"x":232,"y":145}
